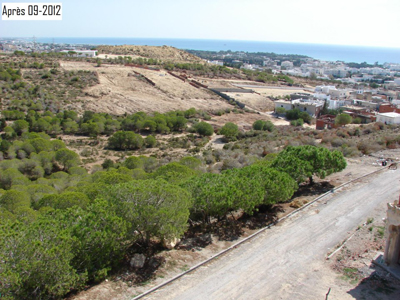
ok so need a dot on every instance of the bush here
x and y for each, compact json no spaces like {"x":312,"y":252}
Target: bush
{"x":204,"y":129}
{"x":230,"y":131}
{"x":298,"y":122}
{"x":150,"y":141}
{"x":125,"y":140}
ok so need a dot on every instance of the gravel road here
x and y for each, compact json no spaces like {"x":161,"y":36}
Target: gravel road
{"x":288,"y":260}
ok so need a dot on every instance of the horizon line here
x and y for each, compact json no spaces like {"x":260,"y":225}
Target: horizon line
{"x":203,"y":39}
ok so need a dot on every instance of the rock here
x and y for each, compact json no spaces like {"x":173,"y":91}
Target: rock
{"x":170,"y":243}
{"x":188,"y":243}
{"x":137,"y":261}
{"x":205,"y":239}
{"x":154,"y":263}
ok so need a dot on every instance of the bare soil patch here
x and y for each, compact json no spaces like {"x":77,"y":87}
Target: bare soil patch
{"x":164,"y":53}
{"x":119,"y":91}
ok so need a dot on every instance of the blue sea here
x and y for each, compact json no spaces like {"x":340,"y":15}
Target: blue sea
{"x":323,"y":52}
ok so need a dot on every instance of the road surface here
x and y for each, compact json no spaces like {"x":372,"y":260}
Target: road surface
{"x":287,"y":261}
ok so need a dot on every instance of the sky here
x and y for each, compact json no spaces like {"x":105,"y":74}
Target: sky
{"x":340,"y":22}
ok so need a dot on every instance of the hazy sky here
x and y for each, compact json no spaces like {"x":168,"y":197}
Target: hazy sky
{"x":345,"y":22}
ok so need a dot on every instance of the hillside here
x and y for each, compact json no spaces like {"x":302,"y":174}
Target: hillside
{"x":121,"y":90}
{"x":164,"y":53}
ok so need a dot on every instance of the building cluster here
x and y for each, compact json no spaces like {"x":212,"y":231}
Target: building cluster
{"x":340,"y":71}
{"x":368,"y":105}
{"x":30,"y":45}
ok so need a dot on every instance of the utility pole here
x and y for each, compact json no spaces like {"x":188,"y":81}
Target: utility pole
{"x":34,"y":43}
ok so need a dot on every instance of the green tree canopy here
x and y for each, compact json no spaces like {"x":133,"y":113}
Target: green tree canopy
{"x":303,"y":162}
{"x":125,"y":140}
{"x":67,"y":158}
{"x":230,"y":131}
{"x":263,"y":125}
{"x":204,"y":129}
{"x":343,"y":119}
{"x":154,"y":208}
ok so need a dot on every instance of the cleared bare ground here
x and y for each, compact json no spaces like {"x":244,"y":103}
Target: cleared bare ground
{"x":120,"y":92}
{"x":164,"y":53}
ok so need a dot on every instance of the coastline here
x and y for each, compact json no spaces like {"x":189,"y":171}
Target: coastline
{"x":347,"y":54}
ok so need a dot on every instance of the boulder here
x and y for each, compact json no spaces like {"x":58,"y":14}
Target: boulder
{"x":170,"y":243}
{"x":137,"y":261}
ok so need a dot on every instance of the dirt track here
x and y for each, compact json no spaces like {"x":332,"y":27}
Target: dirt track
{"x":288,"y":261}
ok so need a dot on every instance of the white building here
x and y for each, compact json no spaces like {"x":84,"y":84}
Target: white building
{"x":287,"y":105}
{"x":287,"y":65}
{"x":388,"y":118}
{"x":216,"y":62}
{"x":335,"y":104}
{"x":312,"y":107}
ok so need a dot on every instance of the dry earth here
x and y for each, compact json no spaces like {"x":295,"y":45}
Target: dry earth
{"x":164,"y":53}
{"x":342,"y":284}
{"x":120,"y":92}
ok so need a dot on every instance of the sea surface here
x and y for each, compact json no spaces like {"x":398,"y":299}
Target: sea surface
{"x":323,"y":52}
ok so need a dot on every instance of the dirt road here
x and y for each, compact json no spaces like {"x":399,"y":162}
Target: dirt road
{"x":288,"y":260}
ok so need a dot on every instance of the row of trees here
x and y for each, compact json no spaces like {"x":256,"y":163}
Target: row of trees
{"x":81,"y":230}
{"x":93,"y":124}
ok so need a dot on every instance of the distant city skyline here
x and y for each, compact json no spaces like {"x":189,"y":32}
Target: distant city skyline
{"x":355,"y":22}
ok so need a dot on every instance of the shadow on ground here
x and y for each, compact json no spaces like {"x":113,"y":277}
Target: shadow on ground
{"x":316,"y":189}
{"x":376,"y":286}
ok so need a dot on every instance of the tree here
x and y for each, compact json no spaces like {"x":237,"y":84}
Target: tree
{"x":40,"y":144}
{"x":38,"y":191}
{"x":214,"y":195}
{"x":41,"y":125}
{"x":190,"y":113}
{"x":67,"y":158}
{"x":179,"y":123}
{"x":150,"y":125}
{"x":230,"y":131}
{"x":125,"y":140}
{"x":298,"y":122}
{"x":12,"y":176}
{"x":280,"y":111}
{"x":133,"y":162}
{"x":100,"y":238}
{"x":305,"y":116}
{"x":303,"y":162}
{"x":174,"y":173}
{"x":110,"y":177}
{"x":191,"y":162}
{"x":37,"y":260}
{"x":12,"y":199}
{"x":293,"y":114}
{"x":64,"y":200}
{"x":263,"y":125}
{"x":70,"y":127}
{"x":154,"y":208}
{"x":108,"y":163}
{"x":204,"y":129}
{"x":277,"y":186}
{"x":20,"y":126}
{"x":150,"y":141}
{"x":343,"y":119}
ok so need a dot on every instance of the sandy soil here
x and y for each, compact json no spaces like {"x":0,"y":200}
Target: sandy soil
{"x":120,"y":92}
{"x":164,"y":53}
